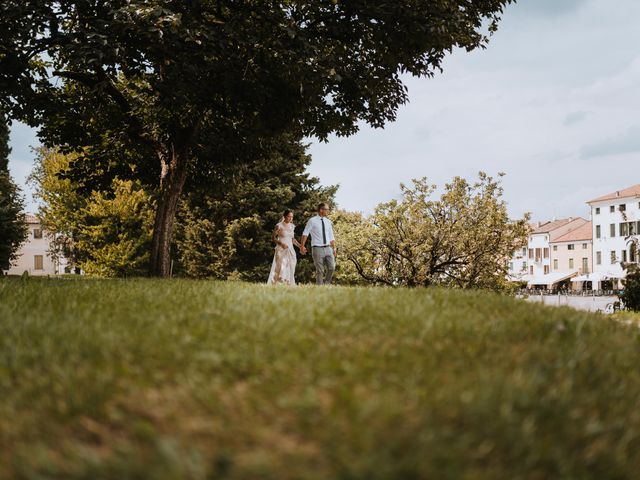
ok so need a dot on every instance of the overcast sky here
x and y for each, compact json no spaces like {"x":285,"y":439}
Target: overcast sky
{"x":553,"y":102}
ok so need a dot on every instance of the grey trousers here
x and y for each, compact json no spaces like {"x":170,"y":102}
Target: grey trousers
{"x":325,"y":264}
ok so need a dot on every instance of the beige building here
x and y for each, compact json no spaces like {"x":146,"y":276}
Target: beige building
{"x":545,"y":235}
{"x":33,"y":256}
{"x":572,"y":252}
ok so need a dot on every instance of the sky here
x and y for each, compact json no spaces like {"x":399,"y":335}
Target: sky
{"x":552,"y":102}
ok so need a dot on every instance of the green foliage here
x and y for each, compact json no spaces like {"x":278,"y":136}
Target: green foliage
{"x":13,"y":225}
{"x":106,"y":233}
{"x":133,"y":379}
{"x":463,"y":239}
{"x":5,"y":150}
{"x":116,"y":231}
{"x":351,"y":229}
{"x":225,"y":231}
{"x":631,"y":294}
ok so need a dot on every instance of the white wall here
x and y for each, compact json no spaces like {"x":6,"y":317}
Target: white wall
{"x":31,"y":248}
{"x":608,"y":243}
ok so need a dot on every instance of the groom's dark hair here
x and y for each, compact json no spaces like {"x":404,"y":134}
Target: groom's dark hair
{"x":322,"y":205}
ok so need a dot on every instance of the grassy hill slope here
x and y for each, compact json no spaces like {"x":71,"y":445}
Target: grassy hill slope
{"x":145,"y":379}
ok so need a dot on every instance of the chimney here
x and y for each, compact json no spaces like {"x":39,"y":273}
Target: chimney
{"x":617,"y":193}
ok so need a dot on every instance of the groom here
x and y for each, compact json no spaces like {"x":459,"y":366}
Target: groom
{"x":323,"y":244}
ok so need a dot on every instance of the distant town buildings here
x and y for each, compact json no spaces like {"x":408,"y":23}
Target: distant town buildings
{"x":34,"y":256}
{"x":576,"y":253}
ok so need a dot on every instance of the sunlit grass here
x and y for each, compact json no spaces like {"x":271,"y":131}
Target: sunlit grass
{"x":180,"y":379}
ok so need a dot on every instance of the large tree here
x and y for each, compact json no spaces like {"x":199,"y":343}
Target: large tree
{"x":173,"y":75}
{"x":13,"y":225}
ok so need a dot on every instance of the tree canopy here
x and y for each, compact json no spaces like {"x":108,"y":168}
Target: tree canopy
{"x":462,"y":239}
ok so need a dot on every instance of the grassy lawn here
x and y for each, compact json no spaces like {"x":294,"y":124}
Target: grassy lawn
{"x":144,"y":379}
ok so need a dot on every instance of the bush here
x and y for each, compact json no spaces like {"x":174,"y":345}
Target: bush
{"x":631,"y":294}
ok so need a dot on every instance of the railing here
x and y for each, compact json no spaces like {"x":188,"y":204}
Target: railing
{"x":573,"y":293}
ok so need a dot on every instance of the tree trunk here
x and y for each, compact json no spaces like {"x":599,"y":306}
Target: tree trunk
{"x":172,"y":179}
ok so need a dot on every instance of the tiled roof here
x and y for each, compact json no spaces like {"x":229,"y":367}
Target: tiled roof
{"x":553,"y":224}
{"x":633,"y":191}
{"x":583,"y":232}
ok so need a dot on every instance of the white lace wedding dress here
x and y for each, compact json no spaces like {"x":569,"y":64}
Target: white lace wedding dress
{"x":283,"y":268}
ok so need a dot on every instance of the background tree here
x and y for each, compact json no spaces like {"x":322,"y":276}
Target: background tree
{"x":173,"y":75}
{"x":352,"y":229}
{"x":462,"y":239}
{"x":105,"y":232}
{"x":13,"y":225}
{"x":631,"y":293}
{"x":224,"y":230}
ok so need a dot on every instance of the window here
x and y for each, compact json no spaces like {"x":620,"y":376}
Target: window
{"x":597,"y":231}
{"x":531,"y":253}
{"x":555,"y":248}
{"x":571,"y":263}
{"x":524,"y":266}
{"x":511,"y":266}
{"x":612,"y":230}
{"x":571,"y":246}
{"x":531,"y":269}
{"x":585,"y":246}
{"x":524,"y":252}
{"x":585,"y":265}
{"x":538,"y":253}
{"x":622,"y":207}
{"x":624,"y":256}
{"x":546,"y":253}
{"x":555,"y":263}
{"x":37,"y":233}
{"x":612,"y":209}
{"x":597,"y":210}
{"x":624,"y":229}
{"x":632,"y":228}
{"x":633,"y":257}
{"x":546,"y":269}
{"x":37,"y":262}
{"x":613,"y":257}
{"x":598,"y":258}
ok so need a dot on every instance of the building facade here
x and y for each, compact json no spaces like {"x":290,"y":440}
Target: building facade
{"x":616,"y":219}
{"x":572,"y":252}
{"x":33,"y":256}
{"x":544,"y":234}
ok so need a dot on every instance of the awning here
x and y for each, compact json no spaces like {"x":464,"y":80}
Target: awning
{"x":596,"y":277}
{"x":550,"y":278}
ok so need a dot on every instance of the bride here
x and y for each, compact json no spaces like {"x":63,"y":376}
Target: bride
{"x":283,"y":268}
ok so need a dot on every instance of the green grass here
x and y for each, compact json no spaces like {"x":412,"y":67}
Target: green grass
{"x":143,"y":379}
